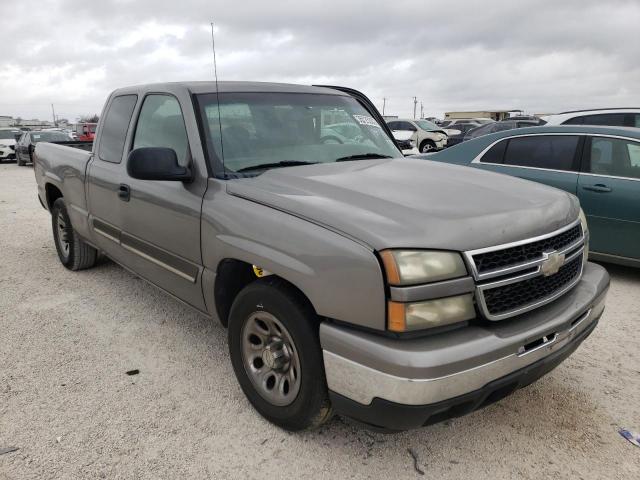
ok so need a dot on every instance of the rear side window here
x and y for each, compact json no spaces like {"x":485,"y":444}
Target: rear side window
{"x":615,"y":157}
{"x":610,"y":119}
{"x":161,"y":124}
{"x":114,"y":130}
{"x":556,"y":152}
{"x":495,"y":154}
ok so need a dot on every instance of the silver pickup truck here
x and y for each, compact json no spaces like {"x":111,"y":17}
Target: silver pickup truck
{"x":392,"y":291}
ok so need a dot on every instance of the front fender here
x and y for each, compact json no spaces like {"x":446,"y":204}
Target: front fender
{"x":341,"y":278}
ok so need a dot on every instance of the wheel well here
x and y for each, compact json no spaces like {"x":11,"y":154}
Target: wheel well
{"x":231,"y":277}
{"x":53,"y":193}
{"x":426,"y":140}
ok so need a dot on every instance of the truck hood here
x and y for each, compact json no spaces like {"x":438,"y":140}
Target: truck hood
{"x":412,"y":203}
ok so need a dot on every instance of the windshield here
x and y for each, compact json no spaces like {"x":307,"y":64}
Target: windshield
{"x":284,"y":129}
{"x":8,"y":134}
{"x":49,"y":137}
{"x":427,"y":125}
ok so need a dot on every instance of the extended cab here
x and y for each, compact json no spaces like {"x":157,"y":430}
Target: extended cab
{"x":397,"y":292}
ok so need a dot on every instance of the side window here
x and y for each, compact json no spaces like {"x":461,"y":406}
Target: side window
{"x":394,"y":125}
{"x":556,"y":152}
{"x":610,"y":119}
{"x":615,"y":157}
{"x":161,"y":124}
{"x":574,"y":121}
{"x":495,"y":154}
{"x":634,"y":120}
{"x":114,"y":130}
{"x":407,"y":126}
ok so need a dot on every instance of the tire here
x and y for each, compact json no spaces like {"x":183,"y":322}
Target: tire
{"x":74,"y":253}
{"x":427,"y":146}
{"x":19,"y":161}
{"x":304,"y":403}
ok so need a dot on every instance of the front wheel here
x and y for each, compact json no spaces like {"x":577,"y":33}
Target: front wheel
{"x":74,"y":253}
{"x":427,"y":146}
{"x":276,"y":354}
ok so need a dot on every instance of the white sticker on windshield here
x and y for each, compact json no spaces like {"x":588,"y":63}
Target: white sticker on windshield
{"x":36,"y":136}
{"x":366,"y":120}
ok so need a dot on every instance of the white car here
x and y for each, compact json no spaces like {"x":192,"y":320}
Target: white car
{"x":406,"y":142}
{"x":427,"y":135}
{"x":8,"y":143}
{"x":614,"y":117}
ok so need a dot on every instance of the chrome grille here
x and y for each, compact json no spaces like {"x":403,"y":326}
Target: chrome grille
{"x":512,"y":296}
{"x":523,"y":253}
{"x":515,"y":278}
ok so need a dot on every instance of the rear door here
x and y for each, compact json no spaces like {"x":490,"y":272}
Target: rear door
{"x":106,"y":174}
{"x":550,"y":159}
{"x":609,"y":191}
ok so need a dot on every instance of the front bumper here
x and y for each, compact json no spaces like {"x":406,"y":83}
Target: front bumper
{"x":410,"y":151}
{"x":397,"y":384}
{"x":7,"y":153}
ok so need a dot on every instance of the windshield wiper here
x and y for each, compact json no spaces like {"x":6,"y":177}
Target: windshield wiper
{"x":361,"y":156}
{"x":284,"y":163}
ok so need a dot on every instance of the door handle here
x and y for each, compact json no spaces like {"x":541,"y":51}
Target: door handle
{"x":598,"y":187}
{"x":124,"y":192}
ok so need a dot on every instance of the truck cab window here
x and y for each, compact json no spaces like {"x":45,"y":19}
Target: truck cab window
{"x":115,"y":127}
{"x":161,"y":124}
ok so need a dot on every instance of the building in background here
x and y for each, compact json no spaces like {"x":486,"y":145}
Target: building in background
{"x":496,"y":115}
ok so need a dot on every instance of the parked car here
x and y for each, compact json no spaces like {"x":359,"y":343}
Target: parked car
{"x":479,"y":121}
{"x":406,"y":142}
{"x":601,"y":165}
{"x":615,"y":117}
{"x":395,"y":291}
{"x":28,"y":140}
{"x":500,"y":127}
{"x":8,"y":143}
{"x":85,"y":132}
{"x":426,"y":137}
{"x":462,"y":129}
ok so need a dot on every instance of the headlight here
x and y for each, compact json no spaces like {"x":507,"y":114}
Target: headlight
{"x":585,"y":231}
{"x":583,"y":221}
{"x":407,"y":317}
{"x":410,"y":267}
{"x":2,"y":145}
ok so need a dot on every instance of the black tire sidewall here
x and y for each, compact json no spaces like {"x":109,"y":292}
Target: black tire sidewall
{"x":301,"y":322}
{"x":60,"y":207}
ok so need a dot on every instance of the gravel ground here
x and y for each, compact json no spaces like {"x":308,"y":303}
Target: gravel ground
{"x":67,"y":339}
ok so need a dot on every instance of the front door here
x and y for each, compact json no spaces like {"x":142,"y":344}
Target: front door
{"x":161,"y":219}
{"x":609,"y":192}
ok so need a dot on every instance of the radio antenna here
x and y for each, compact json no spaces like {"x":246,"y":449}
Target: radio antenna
{"x":215,"y":74}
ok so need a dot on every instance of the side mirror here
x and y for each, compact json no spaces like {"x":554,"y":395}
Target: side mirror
{"x":156,"y":163}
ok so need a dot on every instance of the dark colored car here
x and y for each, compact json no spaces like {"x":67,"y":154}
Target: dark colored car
{"x":27,"y":143}
{"x":464,"y":128}
{"x":501,"y":126}
{"x":600,"y":165}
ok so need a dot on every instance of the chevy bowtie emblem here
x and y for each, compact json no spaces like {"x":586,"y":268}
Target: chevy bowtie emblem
{"x":552,"y":263}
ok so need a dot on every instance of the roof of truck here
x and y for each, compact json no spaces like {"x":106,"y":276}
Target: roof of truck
{"x":230,"y":87}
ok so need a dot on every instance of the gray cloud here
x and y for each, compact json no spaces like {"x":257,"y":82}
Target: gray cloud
{"x":540,"y":56}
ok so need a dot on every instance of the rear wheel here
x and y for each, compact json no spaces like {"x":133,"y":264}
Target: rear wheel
{"x":74,"y":253}
{"x":276,"y":354}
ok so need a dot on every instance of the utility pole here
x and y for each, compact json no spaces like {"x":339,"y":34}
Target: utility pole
{"x":384,"y":104}
{"x":55,"y":122}
{"x":415,"y":105}
{"x":421,"y":110}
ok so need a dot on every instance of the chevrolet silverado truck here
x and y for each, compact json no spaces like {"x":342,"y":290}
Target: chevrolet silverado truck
{"x":352,"y":280}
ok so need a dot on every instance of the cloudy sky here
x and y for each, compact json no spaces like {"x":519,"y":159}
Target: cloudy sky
{"x":540,"y":56}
